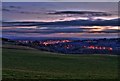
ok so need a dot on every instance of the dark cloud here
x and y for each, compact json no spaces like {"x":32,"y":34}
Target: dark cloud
{"x":9,"y":10}
{"x":113,"y":22}
{"x":12,"y":24}
{"x":105,"y":31}
{"x":61,"y":27}
{"x":19,"y":11}
{"x":5,"y":9}
{"x":90,"y":13}
{"x":50,"y":30}
{"x":61,"y":31}
{"x":15,"y":7}
{"x":25,"y":12}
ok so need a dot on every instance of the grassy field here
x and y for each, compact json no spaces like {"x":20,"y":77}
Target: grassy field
{"x":35,"y":64}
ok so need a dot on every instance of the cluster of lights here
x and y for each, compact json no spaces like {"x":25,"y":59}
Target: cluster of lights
{"x":55,"y":42}
{"x":50,"y":42}
{"x":98,"y":47}
{"x":23,"y":41}
{"x":46,"y":42}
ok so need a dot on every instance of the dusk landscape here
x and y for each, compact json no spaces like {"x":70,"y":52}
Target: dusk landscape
{"x":60,"y":40}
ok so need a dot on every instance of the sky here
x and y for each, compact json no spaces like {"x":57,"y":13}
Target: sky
{"x":60,"y":1}
{"x":60,"y":19}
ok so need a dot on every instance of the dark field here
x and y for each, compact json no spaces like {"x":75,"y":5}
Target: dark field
{"x":35,"y":64}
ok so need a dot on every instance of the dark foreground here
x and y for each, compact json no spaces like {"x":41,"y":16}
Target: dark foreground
{"x":34,"y":64}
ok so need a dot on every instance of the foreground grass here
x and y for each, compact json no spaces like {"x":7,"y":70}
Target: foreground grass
{"x":34,"y":64}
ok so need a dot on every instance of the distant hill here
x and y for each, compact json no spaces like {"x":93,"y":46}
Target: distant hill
{"x":4,"y":39}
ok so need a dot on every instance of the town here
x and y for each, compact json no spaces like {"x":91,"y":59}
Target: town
{"x":69,"y":46}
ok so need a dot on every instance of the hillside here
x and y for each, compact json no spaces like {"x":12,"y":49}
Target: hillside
{"x":35,"y":64}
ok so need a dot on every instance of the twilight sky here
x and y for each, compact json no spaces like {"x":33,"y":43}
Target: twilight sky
{"x":60,"y":19}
